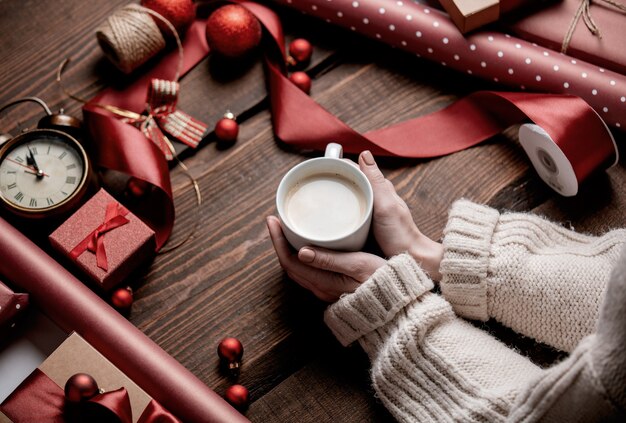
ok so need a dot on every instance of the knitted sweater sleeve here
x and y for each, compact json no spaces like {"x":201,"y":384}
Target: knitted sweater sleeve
{"x":427,"y":363}
{"x":536,"y":277}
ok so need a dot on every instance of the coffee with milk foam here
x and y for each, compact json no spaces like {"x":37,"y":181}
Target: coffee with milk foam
{"x":325,"y":206}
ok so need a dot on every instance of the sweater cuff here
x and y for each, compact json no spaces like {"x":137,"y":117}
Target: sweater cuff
{"x":377,"y":300}
{"x":465,"y":265}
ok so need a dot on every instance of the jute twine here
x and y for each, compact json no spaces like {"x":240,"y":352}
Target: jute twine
{"x":129,"y":37}
{"x":584,"y":11}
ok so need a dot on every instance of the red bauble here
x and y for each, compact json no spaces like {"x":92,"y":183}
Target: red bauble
{"x":80,"y":387}
{"x":137,"y":187}
{"x":230,"y":350}
{"x":237,"y":396}
{"x":122,"y":298}
{"x":180,"y":13}
{"x":233,"y":31}
{"x":301,"y":80}
{"x":227,"y":129}
{"x":300,"y":50}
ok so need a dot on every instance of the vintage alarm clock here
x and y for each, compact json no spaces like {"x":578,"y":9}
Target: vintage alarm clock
{"x":44,"y":172}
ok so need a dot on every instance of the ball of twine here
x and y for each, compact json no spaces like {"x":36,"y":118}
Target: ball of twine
{"x":129,"y":37}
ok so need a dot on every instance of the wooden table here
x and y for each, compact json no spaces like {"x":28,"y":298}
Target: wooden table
{"x":226,"y":281}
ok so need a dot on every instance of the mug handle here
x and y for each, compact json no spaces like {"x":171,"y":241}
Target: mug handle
{"x":334,"y":151}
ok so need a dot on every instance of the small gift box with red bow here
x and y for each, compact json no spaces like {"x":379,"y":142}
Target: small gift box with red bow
{"x":105,"y":240}
{"x":77,"y":384}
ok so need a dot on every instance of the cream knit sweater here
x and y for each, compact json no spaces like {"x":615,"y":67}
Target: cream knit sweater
{"x":543,"y":281}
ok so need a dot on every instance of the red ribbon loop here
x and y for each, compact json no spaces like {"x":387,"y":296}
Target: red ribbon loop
{"x":40,"y":399}
{"x":94,"y":242}
{"x":162,"y":116}
{"x":118,"y":403}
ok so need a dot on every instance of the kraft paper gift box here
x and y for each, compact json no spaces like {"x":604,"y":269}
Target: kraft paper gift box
{"x":28,"y":402}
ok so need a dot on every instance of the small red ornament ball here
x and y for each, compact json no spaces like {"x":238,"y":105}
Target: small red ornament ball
{"x":226,"y":129}
{"x":237,"y":396}
{"x":301,"y":80}
{"x":80,"y":387}
{"x":180,"y":13}
{"x":233,"y":31}
{"x":301,"y":50}
{"x":230,"y":350}
{"x":122,"y":298}
{"x":137,"y":187}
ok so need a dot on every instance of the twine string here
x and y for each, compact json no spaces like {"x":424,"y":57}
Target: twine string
{"x":584,"y":11}
{"x":129,"y":114}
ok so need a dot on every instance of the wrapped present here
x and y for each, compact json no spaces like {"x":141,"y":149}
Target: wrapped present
{"x":105,"y":240}
{"x":41,"y":396}
{"x":468,"y":15}
{"x":591,"y":31}
{"x":495,"y":56}
{"x":12,"y":306}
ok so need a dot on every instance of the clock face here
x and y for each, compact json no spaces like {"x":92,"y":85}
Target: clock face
{"x":41,"y":170}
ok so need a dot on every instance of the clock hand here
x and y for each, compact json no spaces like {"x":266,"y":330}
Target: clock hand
{"x":30,"y":159}
{"x":27,"y":167}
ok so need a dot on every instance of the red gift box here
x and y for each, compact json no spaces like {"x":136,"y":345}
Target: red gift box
{"x":548,"y":27}
{"x":105,"y":240}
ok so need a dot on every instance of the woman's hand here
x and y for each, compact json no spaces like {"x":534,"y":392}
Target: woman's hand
{"x":328,"y":274}
{"x":393,"y":225}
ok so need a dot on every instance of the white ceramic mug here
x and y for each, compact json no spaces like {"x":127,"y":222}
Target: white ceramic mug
{"x":326,"y":202}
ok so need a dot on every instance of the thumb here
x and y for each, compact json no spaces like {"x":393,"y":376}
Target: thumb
{"x":385,"y":196}
{"x":359,"y":266}
{"x":368,"y":166}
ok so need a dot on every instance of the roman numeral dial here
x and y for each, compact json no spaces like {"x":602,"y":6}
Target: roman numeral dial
{"x":41,"y":170}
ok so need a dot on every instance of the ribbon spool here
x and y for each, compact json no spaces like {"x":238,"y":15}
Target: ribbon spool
{"x":129,"y":37}
{"x":565,"y":164}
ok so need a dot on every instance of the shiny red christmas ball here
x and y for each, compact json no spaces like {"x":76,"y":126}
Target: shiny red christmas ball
{"x":137,"y":187}
{"x":237,"y":396}
{"x":122,"y":298}
{"x":233,"y":31}
{"x":80,"y":387}
{"x":230,"y":350}
{"x":301,"y":80}
{"x":300,"y":50}
{"x":180,"y":13}
{"x":226,"y":129}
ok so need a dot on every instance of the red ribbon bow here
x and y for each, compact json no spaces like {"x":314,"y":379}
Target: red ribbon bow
{"x":94,"y":242}
{"x":40,"y":399}
{"x":163,"y":116}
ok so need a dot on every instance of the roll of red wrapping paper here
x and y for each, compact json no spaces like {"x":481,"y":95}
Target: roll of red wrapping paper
{"x":431,"y":34}
{"x":73,"y":307}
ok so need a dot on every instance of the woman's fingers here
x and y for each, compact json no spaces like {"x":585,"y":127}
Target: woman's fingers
{"x":358,"y":266}
{"x":326,"y":285}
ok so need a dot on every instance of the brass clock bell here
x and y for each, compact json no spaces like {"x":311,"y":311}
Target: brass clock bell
{"x":44,"y":172}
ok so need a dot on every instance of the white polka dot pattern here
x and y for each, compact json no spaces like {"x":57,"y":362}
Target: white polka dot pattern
{"x":490,"y":55}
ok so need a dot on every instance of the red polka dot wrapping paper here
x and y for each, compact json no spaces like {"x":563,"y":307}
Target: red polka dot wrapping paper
{"x":429,"y":33}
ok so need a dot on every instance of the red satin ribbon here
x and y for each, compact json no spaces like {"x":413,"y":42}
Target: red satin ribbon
{"x":39,"y":399}
{"x":94,"y":242}
{"x":569,"y":120}
{"x":124,"y":148}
